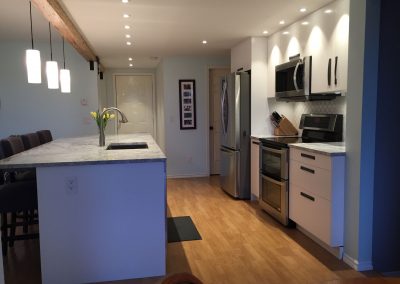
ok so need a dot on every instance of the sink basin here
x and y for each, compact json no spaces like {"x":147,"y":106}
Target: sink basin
{"x":126,"y":146}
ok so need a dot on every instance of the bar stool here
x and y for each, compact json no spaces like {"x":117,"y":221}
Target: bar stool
{"x":44,"y":136}
{"x":30,"y":140}
{"x":15,"y":197}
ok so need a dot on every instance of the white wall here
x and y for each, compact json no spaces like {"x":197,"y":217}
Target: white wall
{"x":28,"y":107}
{"x":187,"y":150}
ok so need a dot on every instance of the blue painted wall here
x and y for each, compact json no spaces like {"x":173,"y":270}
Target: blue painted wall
{"x":386,"y":221}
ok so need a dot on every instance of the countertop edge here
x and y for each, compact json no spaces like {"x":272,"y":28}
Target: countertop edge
{"x":318,"y":151}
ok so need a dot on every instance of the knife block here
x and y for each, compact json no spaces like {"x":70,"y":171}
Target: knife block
{"x":285,"y":128}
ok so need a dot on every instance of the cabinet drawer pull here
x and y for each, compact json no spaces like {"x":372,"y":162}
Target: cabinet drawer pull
{"x":308,"y":156}
{"x":307,"y":196}
{"x":256,"y":143}
{"x":336,"y":63}
{"x":329,"y":71}
{"x":307,"y":170}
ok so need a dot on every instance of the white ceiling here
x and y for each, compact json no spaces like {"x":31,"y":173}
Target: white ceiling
{"x":159,"y":28}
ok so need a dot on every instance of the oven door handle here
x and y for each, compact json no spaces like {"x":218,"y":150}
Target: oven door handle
{"x":280,"y":183}
{"x":273,"y":150}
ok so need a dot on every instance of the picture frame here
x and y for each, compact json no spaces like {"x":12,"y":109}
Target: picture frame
{"x":187,"y":104}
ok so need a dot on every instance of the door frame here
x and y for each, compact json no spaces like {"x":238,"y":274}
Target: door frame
{"x":207,"y":116}
{"x":153,"y":99}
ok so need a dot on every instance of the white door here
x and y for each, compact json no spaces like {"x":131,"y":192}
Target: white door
{"x":215,"y":77}
{"x":135,"y":99}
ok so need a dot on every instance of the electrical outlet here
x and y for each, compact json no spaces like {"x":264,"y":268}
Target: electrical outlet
{"x":71,"y":185}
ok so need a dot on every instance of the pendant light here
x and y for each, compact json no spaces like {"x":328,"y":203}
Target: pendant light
{"x":33,"y":64}
{"x":65,"y":76}
{"x":52,"y":68}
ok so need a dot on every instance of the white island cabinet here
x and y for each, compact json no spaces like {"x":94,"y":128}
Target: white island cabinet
{"x":102,"y":213}
{"x":316,"y":192}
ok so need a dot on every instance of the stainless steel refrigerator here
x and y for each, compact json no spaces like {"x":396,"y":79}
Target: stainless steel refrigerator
{"x":235,"y":135}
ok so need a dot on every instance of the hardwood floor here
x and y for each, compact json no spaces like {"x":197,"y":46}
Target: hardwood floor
{"x":241,"y":244}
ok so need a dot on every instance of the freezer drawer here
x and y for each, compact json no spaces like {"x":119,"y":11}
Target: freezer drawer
{"x":229,"y":173}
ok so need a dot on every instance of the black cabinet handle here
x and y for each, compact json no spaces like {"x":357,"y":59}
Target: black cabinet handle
{"x":307,"y":196}
{"x":307,"y":170}
{"x":336,"y":63}
{"x":211,"y":128}
{"x":329,"y":71}
{"x":256,"y":143}
{"x":308,"y":156}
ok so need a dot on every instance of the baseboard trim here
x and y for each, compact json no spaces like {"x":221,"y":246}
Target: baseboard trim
{"x":392,"y":274}
{"x":189,"y":175}
{"x":356,"y":265}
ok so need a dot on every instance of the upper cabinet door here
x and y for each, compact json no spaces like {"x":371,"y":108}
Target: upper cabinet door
{"x":341,"y":46}
{"x":241,"y":56}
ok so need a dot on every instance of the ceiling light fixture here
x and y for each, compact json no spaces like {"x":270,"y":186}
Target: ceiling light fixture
{"x":52,"y":68}
{"x":130,"y":59}
{"x":128,"y":36}
{"x":131,"y":65}
{"x":328,"y":11}
{"x":302,"y":10}
{"x":128,"y":43}
{"x":65,"y":76}
{"x":265,"y":32}
{"x":285,"y":33}
{"x":33,"y":65}
{"x":125,"y":1}
{"x":304,"y":23}
{"x":282,"y":22}
{"x":204,"y":42}
{"x":126,"y":16}
{"x":127,"y":27}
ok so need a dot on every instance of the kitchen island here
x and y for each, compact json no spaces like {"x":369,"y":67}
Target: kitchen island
{"x":102,"y":213}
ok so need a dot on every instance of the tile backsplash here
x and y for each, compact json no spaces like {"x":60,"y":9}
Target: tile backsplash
{"x":294,"y":110}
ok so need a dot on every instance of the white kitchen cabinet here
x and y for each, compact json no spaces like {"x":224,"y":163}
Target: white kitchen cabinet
{"x":328,"y":46}
{"x":316,"y":194}
{"x":241,"y":56}
{"x":325,"y":38}
{"x":255,"y":168}
{"x":251,"y":54}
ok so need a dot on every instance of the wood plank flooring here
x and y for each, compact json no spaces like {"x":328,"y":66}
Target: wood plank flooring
{"x":241,"y":244}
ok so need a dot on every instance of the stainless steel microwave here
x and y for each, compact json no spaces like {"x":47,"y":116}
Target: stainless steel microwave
{"x":293,"y":82}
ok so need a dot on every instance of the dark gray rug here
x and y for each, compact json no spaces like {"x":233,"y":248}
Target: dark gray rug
{"x":182,"y":229}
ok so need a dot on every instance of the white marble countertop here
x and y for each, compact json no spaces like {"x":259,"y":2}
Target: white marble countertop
{"x":85,"y":151}
{"x":329,"y":149}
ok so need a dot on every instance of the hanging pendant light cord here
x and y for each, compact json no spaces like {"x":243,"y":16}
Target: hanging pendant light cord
{"x":30,"y":14}
{"x":63,"y":53}
{"x":51,"y":46}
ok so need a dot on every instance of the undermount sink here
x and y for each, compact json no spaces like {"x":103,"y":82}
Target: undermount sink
{"x":127,"y":146}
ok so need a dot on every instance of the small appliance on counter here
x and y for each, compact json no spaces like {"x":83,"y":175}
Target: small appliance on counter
{"x":274,"y":160}
{"x":283,"y":127}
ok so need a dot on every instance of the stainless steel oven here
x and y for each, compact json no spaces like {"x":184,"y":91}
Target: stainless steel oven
{"x":274,"y":173}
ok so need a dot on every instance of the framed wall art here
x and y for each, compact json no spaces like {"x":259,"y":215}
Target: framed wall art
{"x":187,"y":104}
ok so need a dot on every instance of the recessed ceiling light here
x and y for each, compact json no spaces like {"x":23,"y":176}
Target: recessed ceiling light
{"x":285,"y":33}
{"x":124,"y":1}
{"x":127,"y":27}
{"x":126,"y":16}
{"x":328,"y":11}
{"x":303,"y":10}
{"x":304,"y":23}
{"x":128,"y":43}
{"x":282,"y":22}
{"x":204,"y":42}
{"x":128,"y":36}
{"x":131,"y":65}
{"x":265,"y":32}
{"x":130,"y":58}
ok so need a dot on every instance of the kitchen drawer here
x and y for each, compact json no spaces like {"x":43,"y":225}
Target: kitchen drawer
{"x":311,"y":158}
{"x":311,"y":178}
{"x":311,"y":212}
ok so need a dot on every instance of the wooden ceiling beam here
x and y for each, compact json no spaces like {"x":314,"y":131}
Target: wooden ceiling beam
{"x":59,"y":19}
